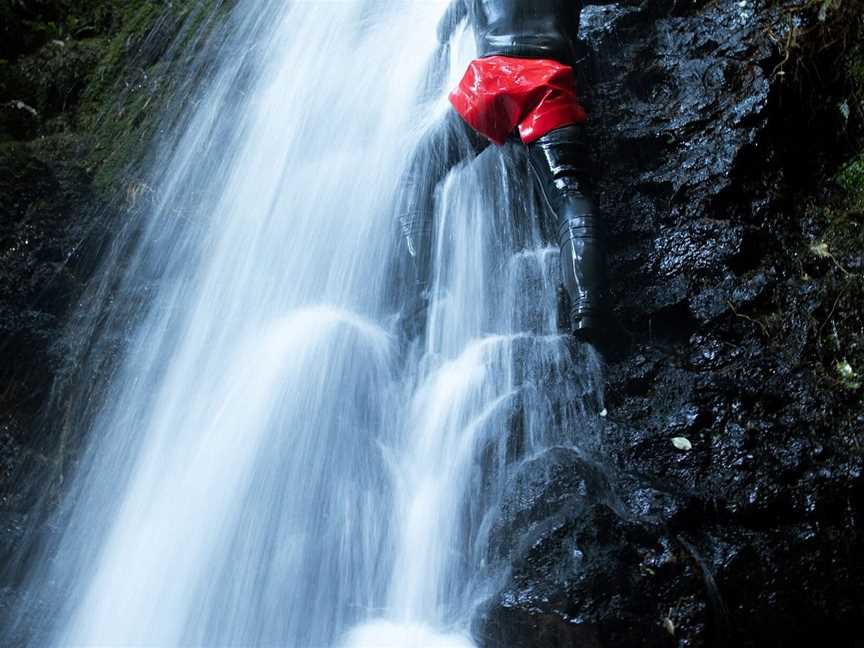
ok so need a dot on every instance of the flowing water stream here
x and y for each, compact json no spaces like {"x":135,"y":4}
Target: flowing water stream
{"x":274,"y":462}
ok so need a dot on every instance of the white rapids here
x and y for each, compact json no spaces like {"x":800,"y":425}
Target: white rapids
{"x":272,"y":462}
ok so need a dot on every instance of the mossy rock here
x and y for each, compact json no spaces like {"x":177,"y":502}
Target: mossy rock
{"x":100,"y":71}
{"x":851,"y":179}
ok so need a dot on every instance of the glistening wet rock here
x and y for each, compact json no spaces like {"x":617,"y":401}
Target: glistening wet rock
{"x":582,"y":572}
{"x":737,"y":322}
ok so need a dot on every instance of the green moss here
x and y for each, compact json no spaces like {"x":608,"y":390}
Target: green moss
{"x":97,"y":70}
{"x":847,"y":376}
{"x":119,"y":49}
{"x":851,"y":179}
{"x":124,"y":116}
{"x":856,"y":67}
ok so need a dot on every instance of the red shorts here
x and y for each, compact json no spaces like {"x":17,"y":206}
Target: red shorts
{"x":500,"y":93}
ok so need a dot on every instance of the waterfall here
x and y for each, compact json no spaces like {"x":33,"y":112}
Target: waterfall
{"x":273,"y":462}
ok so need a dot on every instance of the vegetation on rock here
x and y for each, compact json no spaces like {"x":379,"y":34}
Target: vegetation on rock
{"x":82,"y":88}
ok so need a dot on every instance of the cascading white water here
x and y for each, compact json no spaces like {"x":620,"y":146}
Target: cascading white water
{"x":273,"y":465}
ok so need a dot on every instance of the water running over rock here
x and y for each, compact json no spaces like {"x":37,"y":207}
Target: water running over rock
{"x":274,"y":462}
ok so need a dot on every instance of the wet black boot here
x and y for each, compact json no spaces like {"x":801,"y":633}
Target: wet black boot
{"x":560,"y":160}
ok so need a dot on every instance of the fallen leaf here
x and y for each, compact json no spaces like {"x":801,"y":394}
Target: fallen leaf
{"x":821,"y":250}
{"x":669,"y":625}
{"x":682,"y":443}
{"x":848,"y":376}
{"x":844,"y":109}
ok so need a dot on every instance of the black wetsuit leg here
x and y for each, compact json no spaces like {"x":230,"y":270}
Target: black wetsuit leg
{"x":446,"y":145}
{"x":560,"y":160}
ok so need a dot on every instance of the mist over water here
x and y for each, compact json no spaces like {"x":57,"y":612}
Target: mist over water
{"x":273,"y":462}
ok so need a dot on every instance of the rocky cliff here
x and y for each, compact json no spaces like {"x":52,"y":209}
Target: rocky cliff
{"x":728,"y":504}
{"x":725,"y":507}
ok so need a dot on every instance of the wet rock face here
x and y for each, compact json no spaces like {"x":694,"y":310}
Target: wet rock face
{"x":73,"y":110}
{"x":566,"y":540}
{"x":746,"y":529}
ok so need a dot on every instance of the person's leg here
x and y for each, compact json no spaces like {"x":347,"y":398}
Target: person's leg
{"x":442,"y":148}
{"x":560,"y":161}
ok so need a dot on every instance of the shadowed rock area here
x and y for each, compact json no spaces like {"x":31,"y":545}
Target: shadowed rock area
{"x":729,"y":138}
{"x":82,"y":86}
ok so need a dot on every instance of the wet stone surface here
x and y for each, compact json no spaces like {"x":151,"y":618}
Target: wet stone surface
{"x":748,"y":534}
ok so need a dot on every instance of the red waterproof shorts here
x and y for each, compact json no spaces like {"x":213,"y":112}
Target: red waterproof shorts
{"x":500,"y":93}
